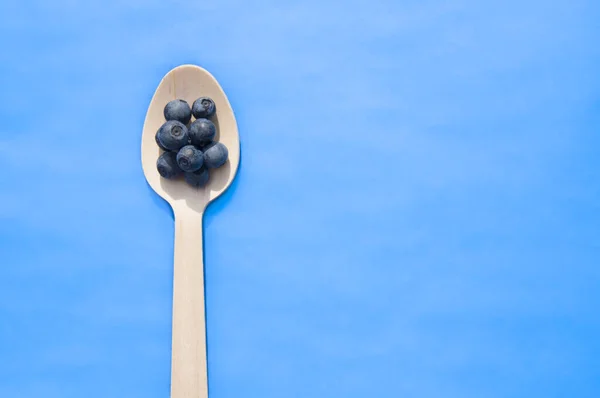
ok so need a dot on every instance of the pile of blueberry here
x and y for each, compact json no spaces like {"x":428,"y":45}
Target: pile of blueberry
{"x":189,"y":149}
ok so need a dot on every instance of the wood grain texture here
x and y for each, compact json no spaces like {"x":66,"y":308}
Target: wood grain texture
{"x":188,"y":82}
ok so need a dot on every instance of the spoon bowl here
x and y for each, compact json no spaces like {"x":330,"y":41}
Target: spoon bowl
{"x":189,"y":82}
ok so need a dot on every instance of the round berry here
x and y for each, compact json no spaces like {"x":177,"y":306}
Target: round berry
{"x":178,"y":110}
{"x":189,"y":158}
{"x":203,"y":108}
{"x":202,"y":132}
{"x":215,"y":155}
{"x":167,"y":165}
{"x":173,"y":135}
{"x":197,"y":178}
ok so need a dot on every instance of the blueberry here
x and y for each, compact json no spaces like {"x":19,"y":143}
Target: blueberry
{"x":158,"y":142}
{"x":189,"y":158}
{"x":202,"y":132}
{"x":215,"y":155}
{"x":197,"y":178}
{"x":203,"y":108}
{"x":167,"y":165}
{"x":173,"y":135}
{"x":178,"y":110}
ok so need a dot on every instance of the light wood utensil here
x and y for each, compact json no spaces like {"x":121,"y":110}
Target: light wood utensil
{"x":189,"y":82}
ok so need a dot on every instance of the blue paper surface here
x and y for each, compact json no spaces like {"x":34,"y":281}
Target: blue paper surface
{"x":416,"y":212}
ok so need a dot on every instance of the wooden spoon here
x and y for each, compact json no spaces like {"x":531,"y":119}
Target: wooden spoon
{"x":189,"y":82}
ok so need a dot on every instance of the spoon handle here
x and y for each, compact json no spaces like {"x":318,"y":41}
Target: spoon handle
{"x":188,"y":365}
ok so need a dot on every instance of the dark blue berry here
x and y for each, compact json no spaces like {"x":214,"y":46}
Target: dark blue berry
{"x":173,"y":135}
{"x":197,"y":178}
{"x":189,"y":158}
{"x":202,"y":132}
{"x":178,"y":110}
{"x":215,"y":155}
{"x":167,"y":165}
{"x":203,"y":108}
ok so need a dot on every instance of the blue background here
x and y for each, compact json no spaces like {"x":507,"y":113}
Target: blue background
{"x":416,"y":213}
